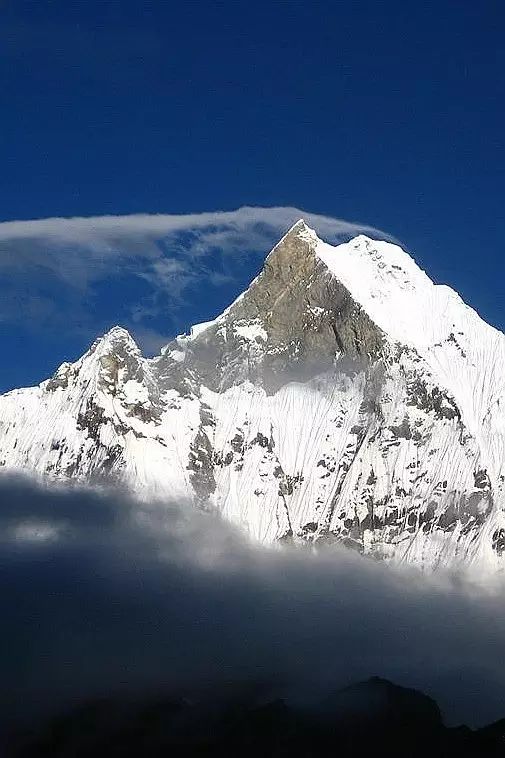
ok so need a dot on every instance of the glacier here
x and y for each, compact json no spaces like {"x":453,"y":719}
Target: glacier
{"x":342,"y":398}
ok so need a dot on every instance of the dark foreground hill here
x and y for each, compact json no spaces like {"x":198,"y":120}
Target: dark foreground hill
{"x":372,"y":718}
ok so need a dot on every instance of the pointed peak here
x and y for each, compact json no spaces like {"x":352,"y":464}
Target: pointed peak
{"x":118,"y":334}
{"x":115,"y":338}
{"x":299,"y":227}
{"x":300,"y":231}
{"x":300,"y":224}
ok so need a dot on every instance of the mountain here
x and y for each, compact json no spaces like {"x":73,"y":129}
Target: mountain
{"x":342,"y":397}
{"x":374,"y":717}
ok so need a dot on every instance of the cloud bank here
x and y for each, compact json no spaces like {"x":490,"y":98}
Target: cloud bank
{"x":101,"y":596}
{"x":53,"y":270}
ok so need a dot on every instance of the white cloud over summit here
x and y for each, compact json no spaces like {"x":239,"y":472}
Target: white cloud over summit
{"x":52,"y":267}
{"x":103,"y":234}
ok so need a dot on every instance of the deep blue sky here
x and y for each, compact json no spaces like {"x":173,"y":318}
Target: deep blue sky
{"x":390,"y":113}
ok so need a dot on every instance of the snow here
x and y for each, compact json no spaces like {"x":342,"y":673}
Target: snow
{"x":466,"y":354}
{"x":176,"y":355}
{"x":393,"y":290}
{"x":250,"y":330}
{"x":197,"y":329}
{"x":135,"y":392}
{"x":312,"y":457}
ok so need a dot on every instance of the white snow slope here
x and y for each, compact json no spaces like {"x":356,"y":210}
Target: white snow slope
{"x":342,"y":397}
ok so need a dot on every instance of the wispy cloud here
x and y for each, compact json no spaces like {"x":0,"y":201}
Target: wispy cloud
{"x":168,"y":254}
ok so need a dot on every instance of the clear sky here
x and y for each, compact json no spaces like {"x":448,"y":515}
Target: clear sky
{"x":387,"y":113}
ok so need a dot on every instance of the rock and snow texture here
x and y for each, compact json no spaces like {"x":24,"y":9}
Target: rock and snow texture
{"x":342,"y":397}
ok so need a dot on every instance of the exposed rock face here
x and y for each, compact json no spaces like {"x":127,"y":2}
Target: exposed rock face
{"x":293,"y":323}
{"x":343,"y":397}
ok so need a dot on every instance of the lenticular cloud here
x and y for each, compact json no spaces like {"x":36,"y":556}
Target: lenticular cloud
{"x":166,"y":255}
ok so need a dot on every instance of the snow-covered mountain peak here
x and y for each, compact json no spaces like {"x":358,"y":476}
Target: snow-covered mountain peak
{"x":116,"y":333}
{"x":342,"y":396}
{"x":290,"y":322}
{"x":113,"y":369}
{"x":116,"y":338}
{"x":397,"y":294}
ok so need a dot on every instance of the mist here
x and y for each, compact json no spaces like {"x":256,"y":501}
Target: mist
{"x":104,"y":595}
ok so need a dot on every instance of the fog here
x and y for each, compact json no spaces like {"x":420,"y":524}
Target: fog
{"x":104,"y":595}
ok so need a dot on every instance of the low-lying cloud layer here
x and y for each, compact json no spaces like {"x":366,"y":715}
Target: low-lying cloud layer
{"x":118,"y":598}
